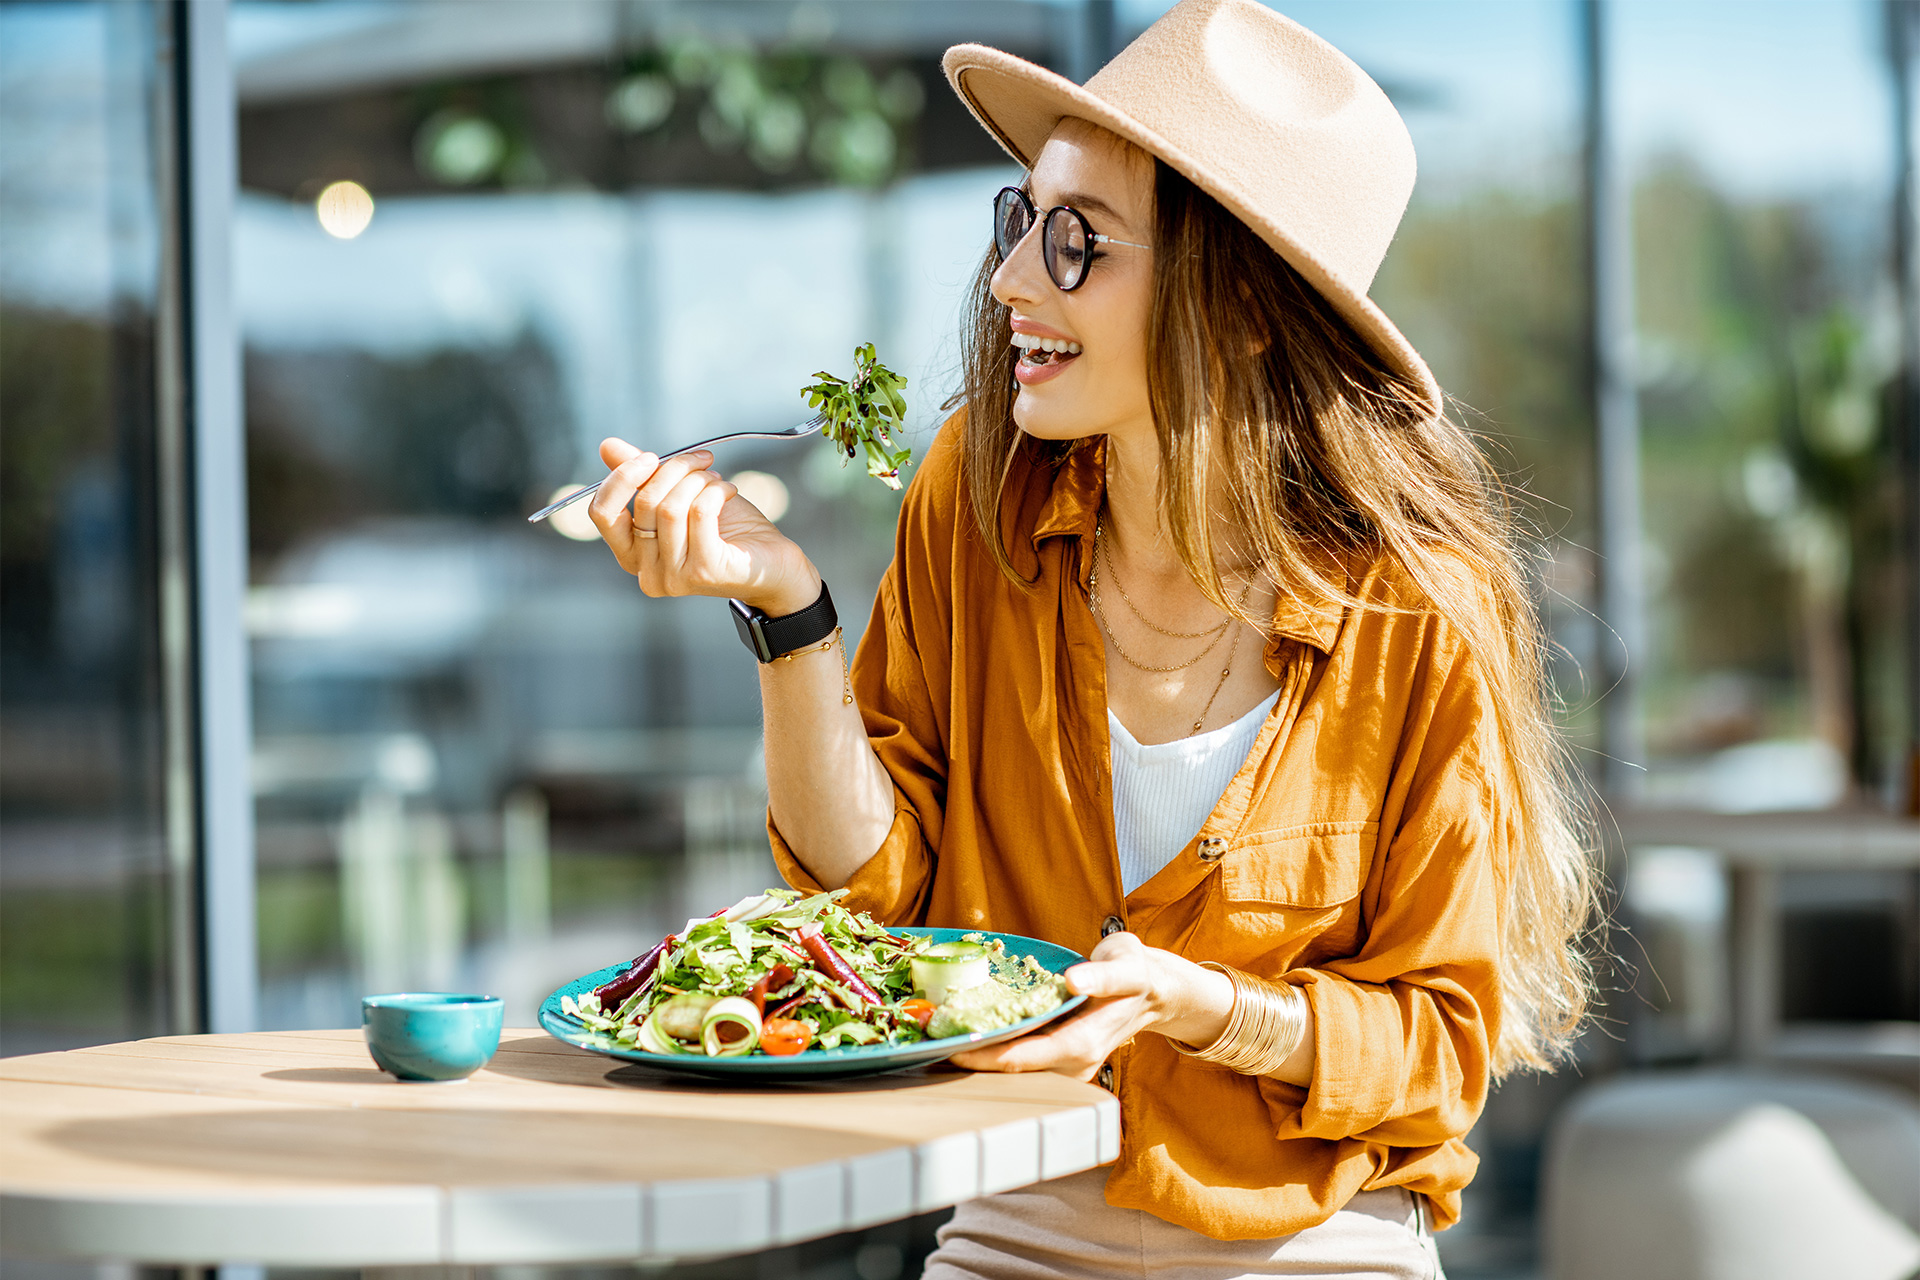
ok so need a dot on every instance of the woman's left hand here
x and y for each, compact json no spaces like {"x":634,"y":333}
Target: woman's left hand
{"x":1131,"y":988}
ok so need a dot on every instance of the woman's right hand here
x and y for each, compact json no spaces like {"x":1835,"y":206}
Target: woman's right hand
{"x":707,"y":539}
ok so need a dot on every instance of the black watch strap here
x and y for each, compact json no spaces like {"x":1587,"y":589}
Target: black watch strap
{"x":771,"y":638}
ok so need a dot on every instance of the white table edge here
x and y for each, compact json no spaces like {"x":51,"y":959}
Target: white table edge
{"x":421,"y":1224}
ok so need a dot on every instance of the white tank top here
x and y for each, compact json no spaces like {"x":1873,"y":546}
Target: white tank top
{"x":1163,"y":794}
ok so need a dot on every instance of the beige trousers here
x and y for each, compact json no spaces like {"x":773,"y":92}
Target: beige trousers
{"x":1066,"y":1230}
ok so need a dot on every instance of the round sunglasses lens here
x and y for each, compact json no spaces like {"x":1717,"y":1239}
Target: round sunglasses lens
{"x":1011,"y":221}
{"x":1066,"y":248}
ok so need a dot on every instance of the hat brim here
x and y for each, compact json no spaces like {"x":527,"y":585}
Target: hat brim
{"x":1021,"y":104}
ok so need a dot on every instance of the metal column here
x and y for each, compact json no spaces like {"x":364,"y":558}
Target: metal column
{"x":1622,"y":646}
{"x":217,"y":458}
{"x":1903,"y":47}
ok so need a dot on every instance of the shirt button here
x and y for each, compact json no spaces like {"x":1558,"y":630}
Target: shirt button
{"x":1106,"y":1076}
{"x":1111,"y":925}
{"x":1212,"y":849}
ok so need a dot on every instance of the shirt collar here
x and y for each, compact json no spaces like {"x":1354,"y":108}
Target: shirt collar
{"x":1073,"y":506}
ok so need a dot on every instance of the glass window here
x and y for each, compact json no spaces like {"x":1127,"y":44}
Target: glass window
{"x":1487,"y":275}
{"x":482,"y":758}
{"x":1768,"y":344}
{"x":84,"y":894}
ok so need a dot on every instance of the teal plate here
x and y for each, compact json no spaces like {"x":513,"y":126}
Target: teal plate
{"x":815,"y":1064}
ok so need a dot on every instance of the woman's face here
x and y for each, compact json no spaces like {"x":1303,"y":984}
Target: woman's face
{"x":1102,"y":390}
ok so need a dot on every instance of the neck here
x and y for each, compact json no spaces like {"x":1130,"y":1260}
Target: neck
{"x":1136,"y":524}
{"x":1136,"y":527}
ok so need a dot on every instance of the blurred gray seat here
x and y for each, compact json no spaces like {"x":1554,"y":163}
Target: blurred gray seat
{"x":1733,"y":1175}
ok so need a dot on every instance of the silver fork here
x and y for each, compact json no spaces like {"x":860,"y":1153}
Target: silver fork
{"x":806,"y":428}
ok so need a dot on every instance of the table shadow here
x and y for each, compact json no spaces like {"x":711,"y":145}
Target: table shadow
{"x":640,"y":1075}
{"x":592,"y":1070}
{"x":331,"y":1075}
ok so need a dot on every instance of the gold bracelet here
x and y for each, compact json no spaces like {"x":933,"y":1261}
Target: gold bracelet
{"x":846,"y":676}
{"x":1266,"y":1025}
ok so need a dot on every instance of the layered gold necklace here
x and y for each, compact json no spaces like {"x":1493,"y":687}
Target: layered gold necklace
{"x":1211,"y":635}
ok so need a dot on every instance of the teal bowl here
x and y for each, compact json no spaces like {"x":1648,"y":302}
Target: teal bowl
{"x":422,"y":1036}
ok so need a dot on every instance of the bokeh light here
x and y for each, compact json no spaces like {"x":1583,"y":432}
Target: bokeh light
{"x":573,"y":522}
{"x":460,"y":149}
{"x":344,"y":209}
{"x":641,"y":103}
{"x":767,"y":492}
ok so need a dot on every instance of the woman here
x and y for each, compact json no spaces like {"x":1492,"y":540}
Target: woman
{"x":1204,"y":650}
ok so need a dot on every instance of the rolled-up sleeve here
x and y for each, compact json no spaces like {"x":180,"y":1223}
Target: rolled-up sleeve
{"x":1403,"y":1029}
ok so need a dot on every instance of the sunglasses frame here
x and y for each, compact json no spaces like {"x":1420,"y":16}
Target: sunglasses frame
{"x":1048,"y":254}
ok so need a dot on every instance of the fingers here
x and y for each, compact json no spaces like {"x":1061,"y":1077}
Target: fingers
{"x":704,"y":545}
{"x":625,"y":509}
{"x":670,"y":515}
{"x":1118,"y":967}
{"x":1075,"y":1047}
{"x":608,"y":508}
{"x":1116,"y":945}
{"x":1048,"y":1052}
{"x":1103,"y":980}
{"x":614,"y":451}
{"x":676,"y":526}
{"x":662,"y":482}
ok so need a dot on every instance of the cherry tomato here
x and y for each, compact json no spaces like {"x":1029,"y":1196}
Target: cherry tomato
{"x":920,"y":1010}
{"x":784,"y":1036}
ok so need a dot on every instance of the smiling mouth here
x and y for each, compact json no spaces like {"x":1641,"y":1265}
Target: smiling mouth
{"x":1037,"y":351}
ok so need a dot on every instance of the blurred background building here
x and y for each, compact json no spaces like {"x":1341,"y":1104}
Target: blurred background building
{"x":304,"y":305}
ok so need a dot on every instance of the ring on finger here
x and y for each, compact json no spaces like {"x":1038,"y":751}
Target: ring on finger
{"x":645,"y":533}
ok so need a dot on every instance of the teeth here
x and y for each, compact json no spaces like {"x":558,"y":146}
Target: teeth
{"x":1032,"y":342}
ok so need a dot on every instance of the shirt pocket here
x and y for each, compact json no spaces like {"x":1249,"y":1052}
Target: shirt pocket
{"x":1292,"y":896}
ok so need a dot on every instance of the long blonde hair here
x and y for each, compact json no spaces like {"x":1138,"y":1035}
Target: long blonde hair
{"x":1327,"y":455}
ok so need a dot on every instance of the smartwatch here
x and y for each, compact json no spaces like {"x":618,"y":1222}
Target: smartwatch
{"x":771,"y":638}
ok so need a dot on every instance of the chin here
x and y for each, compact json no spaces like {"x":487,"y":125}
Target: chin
{"x":1052,"y":421}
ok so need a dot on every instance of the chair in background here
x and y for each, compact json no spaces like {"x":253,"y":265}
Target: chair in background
{"x":1725,"y":1174}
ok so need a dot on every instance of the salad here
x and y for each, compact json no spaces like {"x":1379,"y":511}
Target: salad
{"x":782,"y":973}
{"x":864,"y":413}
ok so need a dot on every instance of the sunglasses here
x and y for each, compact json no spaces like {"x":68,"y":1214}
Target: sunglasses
{"x":1066,"y":245}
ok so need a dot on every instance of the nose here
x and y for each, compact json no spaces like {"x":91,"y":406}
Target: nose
{"x":1022,"y":275}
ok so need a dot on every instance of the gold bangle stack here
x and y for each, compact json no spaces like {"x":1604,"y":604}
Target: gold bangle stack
{"x":1264,"y":1029}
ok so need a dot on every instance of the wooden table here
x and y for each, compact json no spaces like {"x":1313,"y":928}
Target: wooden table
{"x":289,"y":1148}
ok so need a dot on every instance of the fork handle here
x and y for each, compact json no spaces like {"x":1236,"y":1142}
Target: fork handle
{"x":594,"y":488}
{"x":565,"y":502}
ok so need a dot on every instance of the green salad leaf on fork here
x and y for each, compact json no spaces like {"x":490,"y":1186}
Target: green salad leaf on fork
{"x":864,"y":413}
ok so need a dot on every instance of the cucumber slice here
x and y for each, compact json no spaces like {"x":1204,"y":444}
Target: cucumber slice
{"x":949,"y":966}
{"x":731,"y":1028}
{"x":675,"y":1025}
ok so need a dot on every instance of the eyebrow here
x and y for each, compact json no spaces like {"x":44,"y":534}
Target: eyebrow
{"x":1085,"y":203}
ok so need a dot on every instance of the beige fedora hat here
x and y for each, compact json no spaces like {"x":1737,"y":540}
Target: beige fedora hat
{"x":1269,"y":119}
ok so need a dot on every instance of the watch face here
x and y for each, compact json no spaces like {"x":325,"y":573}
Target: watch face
{"x":746,"y":620}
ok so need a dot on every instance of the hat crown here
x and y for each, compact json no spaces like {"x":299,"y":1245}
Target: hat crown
{"x":1266,"y":115}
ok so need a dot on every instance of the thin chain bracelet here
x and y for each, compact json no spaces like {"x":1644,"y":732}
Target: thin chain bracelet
{"x":846,"y":676}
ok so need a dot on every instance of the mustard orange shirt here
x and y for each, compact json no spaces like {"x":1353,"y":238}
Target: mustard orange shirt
{"x":1360,"y":852}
